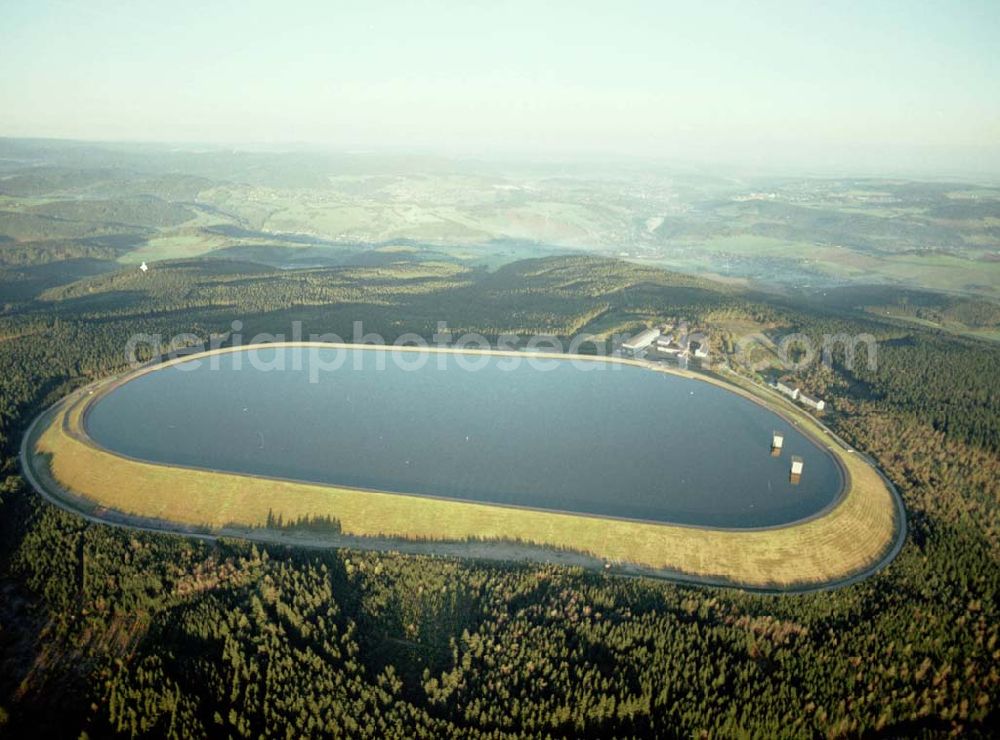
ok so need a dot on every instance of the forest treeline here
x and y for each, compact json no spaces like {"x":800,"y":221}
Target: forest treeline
{"x":106,"y":631}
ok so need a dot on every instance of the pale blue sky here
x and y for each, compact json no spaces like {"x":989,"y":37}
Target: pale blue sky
{"x":896,"y":84}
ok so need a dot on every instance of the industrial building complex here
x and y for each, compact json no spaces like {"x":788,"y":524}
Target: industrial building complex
{"x":674,"y":341}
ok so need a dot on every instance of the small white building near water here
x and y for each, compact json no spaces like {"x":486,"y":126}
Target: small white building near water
{"x":792,"y":393}
{"x":668,"y":346}
{"x":814,"y":403}
{"x":797,"y":466}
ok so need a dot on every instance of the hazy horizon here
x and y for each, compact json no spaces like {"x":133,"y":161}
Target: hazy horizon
{"x":892,"y":89}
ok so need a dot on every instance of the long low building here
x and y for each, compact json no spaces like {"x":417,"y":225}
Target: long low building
{"x":817,"y":404}
{"x":666,"y":344}
{"x":814,"y":403}
{"x":792,"y":393}
{"x":641,"y":340}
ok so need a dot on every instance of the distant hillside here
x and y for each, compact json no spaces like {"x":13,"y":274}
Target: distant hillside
{"x":134,"y":211}
{"x":771,"y":232}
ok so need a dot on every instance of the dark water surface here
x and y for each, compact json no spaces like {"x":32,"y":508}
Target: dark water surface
{"x":610,"y":440}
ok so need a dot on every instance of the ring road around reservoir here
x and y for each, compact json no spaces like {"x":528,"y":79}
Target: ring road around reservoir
{"x":603,"y":462}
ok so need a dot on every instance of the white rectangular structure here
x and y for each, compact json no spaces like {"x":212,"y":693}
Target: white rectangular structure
{"x":792,"y":393}
{"x":669,"y":347}
{"x":641,"y":340}
{"x":814,"y":403}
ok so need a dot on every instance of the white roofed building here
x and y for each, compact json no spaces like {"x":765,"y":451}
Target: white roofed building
{"x":792,"y":393}
{"x":640,"y":341}
{"x":814,"y":403}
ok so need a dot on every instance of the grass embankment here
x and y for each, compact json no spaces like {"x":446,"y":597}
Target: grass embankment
{"x":847,"y":539}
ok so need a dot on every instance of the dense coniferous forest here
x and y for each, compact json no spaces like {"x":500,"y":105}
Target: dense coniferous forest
{"x":107,"y":631}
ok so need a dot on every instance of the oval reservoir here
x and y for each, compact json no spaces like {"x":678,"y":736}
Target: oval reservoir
{"x":588,"y":437}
